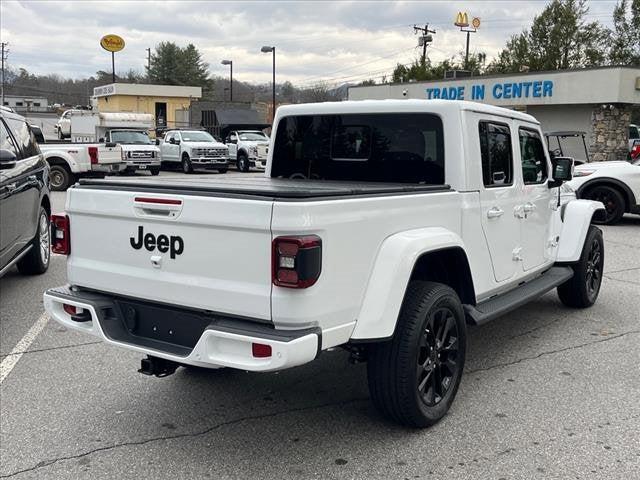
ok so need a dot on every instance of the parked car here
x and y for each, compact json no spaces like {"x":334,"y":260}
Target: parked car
{"x":193,"y":149}
{"x":63,"y":126}
{"x":383,"y":227}
{"x":24,"y":198}
{"x":248,"y":148}
{"x":615,"y":184}
{"x":634,"y":134}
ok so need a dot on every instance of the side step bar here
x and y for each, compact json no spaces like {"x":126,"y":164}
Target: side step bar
{"x":501,"y":304}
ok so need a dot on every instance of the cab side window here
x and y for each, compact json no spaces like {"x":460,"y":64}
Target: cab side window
{"x":496,"y":153}
{"x":24,"y":137}
{"x":6,"y":142}
{"x":534,"y":161}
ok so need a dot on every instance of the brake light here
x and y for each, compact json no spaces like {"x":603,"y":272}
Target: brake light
{"x":60,"y":234}
{"x":635,"y":151}
{"x":93,"y":155}
{"x":296,"y":261}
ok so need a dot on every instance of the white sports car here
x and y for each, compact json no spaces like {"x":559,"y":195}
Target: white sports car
{"x":615,"y":184}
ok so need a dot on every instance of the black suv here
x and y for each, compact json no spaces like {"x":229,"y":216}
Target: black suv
{"x":24,"y":198}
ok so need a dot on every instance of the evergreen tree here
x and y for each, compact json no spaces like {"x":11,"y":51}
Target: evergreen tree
{"x":625,"y":36}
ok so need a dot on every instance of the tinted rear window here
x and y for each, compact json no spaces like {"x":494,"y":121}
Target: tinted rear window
{"x":398,"y":147}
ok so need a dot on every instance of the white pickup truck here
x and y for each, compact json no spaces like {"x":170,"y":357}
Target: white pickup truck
{"x":384,"y":227}
{"x":70,"y":161}
{"x":248,"y":148}
{"x":193,"y":149}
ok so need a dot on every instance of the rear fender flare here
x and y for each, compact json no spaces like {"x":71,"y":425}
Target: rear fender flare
{"x":576,"y":218}
{"x":390,"y":276}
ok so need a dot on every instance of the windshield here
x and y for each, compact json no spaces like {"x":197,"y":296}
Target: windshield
{"x":130,"y":137}
{"x":196,"y":136}
{"x":253,"y":136}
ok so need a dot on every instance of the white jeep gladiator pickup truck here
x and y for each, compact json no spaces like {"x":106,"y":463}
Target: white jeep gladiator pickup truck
{"x":384,"y":227}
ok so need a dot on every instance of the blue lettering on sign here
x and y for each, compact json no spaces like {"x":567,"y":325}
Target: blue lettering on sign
{"x":499,"y":91}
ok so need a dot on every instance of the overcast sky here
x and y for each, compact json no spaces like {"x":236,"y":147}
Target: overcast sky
{"x":336,"y":42}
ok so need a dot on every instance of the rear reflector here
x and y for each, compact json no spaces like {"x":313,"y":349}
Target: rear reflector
{"x":260,"y":350}
{"x":60,"y":234}
{"x":70,"y":309}
{"x":296,"y":261}
{"x":162,"y":201}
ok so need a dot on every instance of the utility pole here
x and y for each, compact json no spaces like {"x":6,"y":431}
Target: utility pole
{"x":424,"y":40}
{"x":148,"y":60}
{"x":5,"y":52}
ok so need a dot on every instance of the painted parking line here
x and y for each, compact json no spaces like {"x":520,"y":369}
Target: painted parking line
{"x":22,"y":346}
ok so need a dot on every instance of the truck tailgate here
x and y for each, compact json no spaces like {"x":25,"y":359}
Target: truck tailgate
{"x":109,"y":155}
{"x":205,"y":252}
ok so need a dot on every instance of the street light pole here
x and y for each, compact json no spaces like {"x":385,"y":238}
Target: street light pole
{"x":230,"y":63}
{"x":272,"y":50}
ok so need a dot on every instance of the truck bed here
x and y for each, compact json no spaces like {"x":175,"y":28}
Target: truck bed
{"x":260,"y":187}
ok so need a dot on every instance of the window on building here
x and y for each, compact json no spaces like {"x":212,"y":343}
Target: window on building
{"x":496,"y":153}
{"x":36,"y":104}
{"x":534,"y":161}
{"x":19,"y":104}
{"x":24,"y":136}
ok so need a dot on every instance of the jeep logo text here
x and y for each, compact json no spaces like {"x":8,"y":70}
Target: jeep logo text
{"x":173,"y":244}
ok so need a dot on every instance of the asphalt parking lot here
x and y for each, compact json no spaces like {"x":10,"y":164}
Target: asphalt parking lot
{"x":548,"y":392}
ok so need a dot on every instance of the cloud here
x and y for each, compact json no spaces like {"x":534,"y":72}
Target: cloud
{"x":315,"y":41}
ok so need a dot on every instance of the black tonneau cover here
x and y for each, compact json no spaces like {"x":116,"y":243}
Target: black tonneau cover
{"x":260,"y":187}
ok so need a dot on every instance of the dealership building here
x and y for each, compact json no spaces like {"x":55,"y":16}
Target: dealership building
{"x":169,"y":104}
{"x":597,"y":101}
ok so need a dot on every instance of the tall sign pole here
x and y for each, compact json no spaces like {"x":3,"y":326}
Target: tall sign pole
{"x":112,"y":43}
{"x":462,"y":21}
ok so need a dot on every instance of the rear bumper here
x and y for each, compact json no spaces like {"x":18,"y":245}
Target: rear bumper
{"x":181,"y":335}
{"x":108,"y":167}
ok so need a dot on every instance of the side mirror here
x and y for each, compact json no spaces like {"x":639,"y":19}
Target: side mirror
{"x":7,"y":159}
{"x":157,"y":141}
{"x":172,"y":141}
{"x":101,"y":140}
{"x":562,"y":171}
{"x":177,"y":142}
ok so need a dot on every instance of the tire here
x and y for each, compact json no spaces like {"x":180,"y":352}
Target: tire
{"x":414,"y":377}
{"x":222,"y":170}
{"x":613,"y":201}
{"x":581,"y":290}
{"x":243,"y":162}
{"x":155,"y":171}
{"x":36,"y":261}
{"x":186,"y":164}
{"x":60,"y":177}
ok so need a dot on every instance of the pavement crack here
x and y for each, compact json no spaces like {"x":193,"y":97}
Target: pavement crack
{"x":622,"y":270}
{"x":551,"y":352}
{"x":49,"y":349}
{"x":620,"y":281}
{"x":535,"y":329}
{"x":47,"y":463}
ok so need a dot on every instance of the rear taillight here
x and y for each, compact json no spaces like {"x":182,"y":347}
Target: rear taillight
{"x":296,"y":261}
{"x":60,"y":234}
{"x":93,"y":155}
{"x":635,"y":151}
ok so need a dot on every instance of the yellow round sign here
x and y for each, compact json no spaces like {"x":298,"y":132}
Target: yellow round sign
{"x":112,"y":43}
{"x":475,"y":22}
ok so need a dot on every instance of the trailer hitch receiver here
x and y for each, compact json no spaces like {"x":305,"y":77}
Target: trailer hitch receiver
{"x":158,"y":367}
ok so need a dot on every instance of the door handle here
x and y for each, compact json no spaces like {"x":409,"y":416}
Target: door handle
{"x":495,"y":212}
{"x":529,"y":207}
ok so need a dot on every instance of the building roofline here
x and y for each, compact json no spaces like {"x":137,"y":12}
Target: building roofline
{"x":502,"y":75}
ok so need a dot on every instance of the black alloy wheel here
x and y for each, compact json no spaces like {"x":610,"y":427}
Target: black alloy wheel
{"x":611,"y":199}
{"x":438,"y":362}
